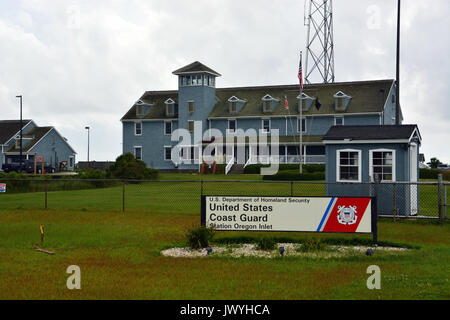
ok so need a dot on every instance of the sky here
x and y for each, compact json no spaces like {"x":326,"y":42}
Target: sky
{"x":84,"y":63}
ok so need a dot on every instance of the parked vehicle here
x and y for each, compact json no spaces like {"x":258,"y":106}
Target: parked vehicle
{"x":27,"y":167}
{"x":443,"y":167}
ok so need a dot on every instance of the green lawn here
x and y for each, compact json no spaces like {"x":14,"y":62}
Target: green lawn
{"x":119,"y":257}
{"x":119,"y":252}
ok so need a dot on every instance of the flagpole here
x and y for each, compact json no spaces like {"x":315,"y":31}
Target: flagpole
{"x":301,"y":113}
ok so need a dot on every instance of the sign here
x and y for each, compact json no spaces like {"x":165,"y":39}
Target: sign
{"x":292,"y":214}
{"x":2,"y":187}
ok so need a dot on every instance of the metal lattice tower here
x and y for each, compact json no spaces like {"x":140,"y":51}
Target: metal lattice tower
{"x":319,"y":45}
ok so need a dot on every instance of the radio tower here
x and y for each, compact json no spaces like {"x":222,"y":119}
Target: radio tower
{"x":319,"y":45}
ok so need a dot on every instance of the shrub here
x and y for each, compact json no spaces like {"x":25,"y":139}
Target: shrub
{"x":428,"y":173}
{"x":128,"y":167}
{"x":446,"y":175}
{"x":296,"y":176}
{"x":312,"y":245}
{"x":199,"y":236}
{"x":265,"y":243}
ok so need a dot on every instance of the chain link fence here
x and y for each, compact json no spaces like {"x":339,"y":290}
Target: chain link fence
{"x":396,"y":200}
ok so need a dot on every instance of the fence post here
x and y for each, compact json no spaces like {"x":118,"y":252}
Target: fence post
{"x":201,"y":187}
{"x":441,"y":213}
{"x":292,"y":188}
{"x":445,"y":201}
{"x":123,"y":196}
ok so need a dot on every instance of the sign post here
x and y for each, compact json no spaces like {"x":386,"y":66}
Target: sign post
{"x":290,"y":214}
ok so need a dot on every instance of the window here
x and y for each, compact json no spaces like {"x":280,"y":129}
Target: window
{"x":233,"y":108}
{"x":231,"y":125}
{"x":17,"y":143}
{"x":170,"y":107}
{"x":138,"y":153}
{"x":393,"y":120}
{"x":70,"y":162}
{"x":194,"y":80}
{"x":139,"y":110}
{"x":338,"y":121}
{"x":382,"y":164}
{"x":267,"y":106}
{"x":266,"y":125}
{"x":168,"y":127}
{"x":188,"y":80}
{"x":190,"y":106}
{"x":191,"y":125}
{"x":184,"y":80}
{"x":167,"y":153}
{"x":138,"y":128}
{"x":303,"y":125}
{"x":348,"y":166}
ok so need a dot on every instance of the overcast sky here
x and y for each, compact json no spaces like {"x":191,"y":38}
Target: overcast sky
{"x":84,"y":63}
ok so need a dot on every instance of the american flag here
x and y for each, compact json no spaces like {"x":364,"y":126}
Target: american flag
{"x":300,"y":73}
{"x":286,"y":103}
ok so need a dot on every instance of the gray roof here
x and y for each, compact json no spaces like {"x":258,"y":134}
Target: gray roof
{"x":384,"y":132}
{"x":196,"y":67}
{"x":367,"y":96}
{"x":35,"y":135}
{"x":8,"y":128}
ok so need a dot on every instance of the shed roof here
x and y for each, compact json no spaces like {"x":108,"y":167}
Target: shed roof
{"x":383,"y":132}
{"x":35,"y":135}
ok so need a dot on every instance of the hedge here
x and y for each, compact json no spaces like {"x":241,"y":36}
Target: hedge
{"x":291,"y":175}
{"x":256,"y":168}
{"x":433,"y":174}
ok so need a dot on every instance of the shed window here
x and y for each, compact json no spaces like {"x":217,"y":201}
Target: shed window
{"x":349,"y":166}
{"x":382,"y":165}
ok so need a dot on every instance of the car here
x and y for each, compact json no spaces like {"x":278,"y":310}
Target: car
{"x":443,"y":167}
{"x":27,"y":166}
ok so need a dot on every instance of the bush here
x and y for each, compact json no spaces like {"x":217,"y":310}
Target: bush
{"x":428,"y":173}
{"x":265,"y":244}
{"x":296,"y":176}
{"x":446,"y":175}
{"x":256,"y":168}
{"x":199,"y":236}
{"x":312,"y":245}
{"x":128,"y":167}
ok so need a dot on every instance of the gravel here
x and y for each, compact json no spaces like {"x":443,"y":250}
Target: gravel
{"x":291,"y":249}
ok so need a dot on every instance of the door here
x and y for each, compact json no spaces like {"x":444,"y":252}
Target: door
{"x":413,"y":178}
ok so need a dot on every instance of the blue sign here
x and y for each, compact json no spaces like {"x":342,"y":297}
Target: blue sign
{"x":2,"y":187}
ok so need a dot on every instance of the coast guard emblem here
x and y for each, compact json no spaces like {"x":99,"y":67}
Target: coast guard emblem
{"x":347,"y":215}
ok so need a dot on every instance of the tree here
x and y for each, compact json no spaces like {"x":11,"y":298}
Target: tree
{"x":434,"y":162}
{"x":128,"y":167}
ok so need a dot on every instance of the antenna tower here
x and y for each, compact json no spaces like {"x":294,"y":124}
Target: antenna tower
{"x":319,"y":45}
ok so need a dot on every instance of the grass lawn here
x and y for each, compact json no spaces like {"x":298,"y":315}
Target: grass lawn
{"x":119,"y":252}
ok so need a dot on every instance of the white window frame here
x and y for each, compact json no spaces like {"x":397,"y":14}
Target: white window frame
{"x":304,"y":128}
{"x":262,"y":125}
{"x":339,"y":117}
{"x":228,"y":126}
{"x":165,"y":158}
{"x":371,"y":152}
{"x":142,"y":151}
{"x":338,"y":165}
{"x":135,"y":128}
{"x":171,"y":128}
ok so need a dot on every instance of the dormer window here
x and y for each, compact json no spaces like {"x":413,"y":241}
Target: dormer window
{"x":170,"y":107}
{"x":305,"y":102}
{"x":139,"y":108}
{"x":341,"y":101}
{"x":233,"y":104}
{"x":267,"y":103}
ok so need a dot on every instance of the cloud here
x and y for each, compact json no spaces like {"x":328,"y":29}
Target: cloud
{"x":81,"y":63}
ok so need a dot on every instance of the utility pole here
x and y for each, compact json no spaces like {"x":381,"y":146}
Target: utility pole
{"x":397,"y":87}
{"x":21,"y":126}
{"x":87,"y":128}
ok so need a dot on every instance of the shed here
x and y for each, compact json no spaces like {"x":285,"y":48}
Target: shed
{"x":355,"y":155}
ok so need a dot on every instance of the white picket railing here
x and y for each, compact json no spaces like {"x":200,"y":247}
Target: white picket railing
{"x":229,"y":165}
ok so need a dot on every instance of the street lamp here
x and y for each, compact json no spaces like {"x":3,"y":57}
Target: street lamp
{"x":87,"y":128}
{"x":21,"y":125}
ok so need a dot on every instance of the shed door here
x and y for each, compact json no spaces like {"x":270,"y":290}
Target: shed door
{"x":413,"y":178}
